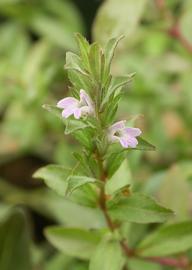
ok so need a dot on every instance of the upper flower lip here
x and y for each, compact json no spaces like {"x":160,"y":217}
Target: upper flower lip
{"x":78,"y":108}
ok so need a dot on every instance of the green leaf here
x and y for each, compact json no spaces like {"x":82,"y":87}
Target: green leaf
{"x":54,"y":110}
{"x":116,"y":83}
{"x":138,"y":264}
{"x":108,"y":255}
{"x":84,"y":49}
{"x":95,"y":61}
{"x":14,"y":239}
{"x":114,"y":160}
{"x":80,"y":80}
{"x":114,"y":19}
{"x":121,"y":179}
{"x":144,"y":145}
{"x":73,"y":125}
{"x":76,"y":181}
{"x":169,"y":239}
{"x":138,"y":208}
{"x":55,"y":177}
{"x":73,"y":61}
{"x":173,"y":184}
{"x":109,"y":52}
{"x":72,"y":241}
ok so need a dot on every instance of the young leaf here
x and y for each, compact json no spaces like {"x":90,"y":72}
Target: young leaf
{"x":76,"y":181}
{"x":95,"y":61}
{"x":138,"y":208}
{"x":169,"y":239}
{"x":116,"y":83}
{"x":55,"y":177}
{"x":54,"y":110}
{"x":73,"y":62}
{"x":73,"y":125}
{"x":73,"y":242}
{"x":108,"y":255}
{"x":84,"y":49}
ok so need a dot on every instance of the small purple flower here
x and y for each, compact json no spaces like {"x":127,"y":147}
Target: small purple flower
{"x":118,"y":132}
{"x":78,"y":108}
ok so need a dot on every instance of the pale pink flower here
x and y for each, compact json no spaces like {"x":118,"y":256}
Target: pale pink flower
{"x":78,"y":108}
{"x":118,"y":132}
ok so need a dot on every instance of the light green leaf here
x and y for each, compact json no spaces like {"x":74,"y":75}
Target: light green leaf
{"x":108,"y":255}
{"x":116,"y":18}
{"x":55,"y":177}
{"x":95,"y":55}
{"x":172,"y":184}
{"x":169,"y":239}
{"x":116,"y":83}
{"x":73,"y":61}
{"x":136,"y":264}
{"x":72,"y":241}
{"x":121,"y":179}
{"x":185,"y":21}
{"x":73,"y":125}
{"x":76,"y":181}
{"x":54,"y":30}
{"x":138,"y":208}
{"x":54,"y":110}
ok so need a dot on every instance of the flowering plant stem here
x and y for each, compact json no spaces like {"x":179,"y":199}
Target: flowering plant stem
{"x":181,"y":262}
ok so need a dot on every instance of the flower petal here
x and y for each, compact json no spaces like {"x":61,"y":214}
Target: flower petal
{"x":133,"y":132}
{"x":67,"y":102}
{"x":124,"y":141}
{"x":67,"y":112}
{"x":117,"y":126}
{"x":77,"y":113}
{"x":84,"y":98}
{"x":132,"y":142}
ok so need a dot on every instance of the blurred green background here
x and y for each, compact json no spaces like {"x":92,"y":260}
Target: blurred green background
{"x":34,"y":37}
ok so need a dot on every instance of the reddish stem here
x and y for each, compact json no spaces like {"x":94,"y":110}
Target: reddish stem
{"x":176,"y":33}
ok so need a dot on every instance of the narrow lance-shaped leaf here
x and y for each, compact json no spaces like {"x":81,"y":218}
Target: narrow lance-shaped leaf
{"x":169,"y":239}
{"x":95,"y":61}
{"x":144,"y":145}
{"x":109,"y":53}
{"x":84,"y":50}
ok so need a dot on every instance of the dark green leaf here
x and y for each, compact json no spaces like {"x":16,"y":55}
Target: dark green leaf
{"x":14,"y":239}
{"x":144,"y":145}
